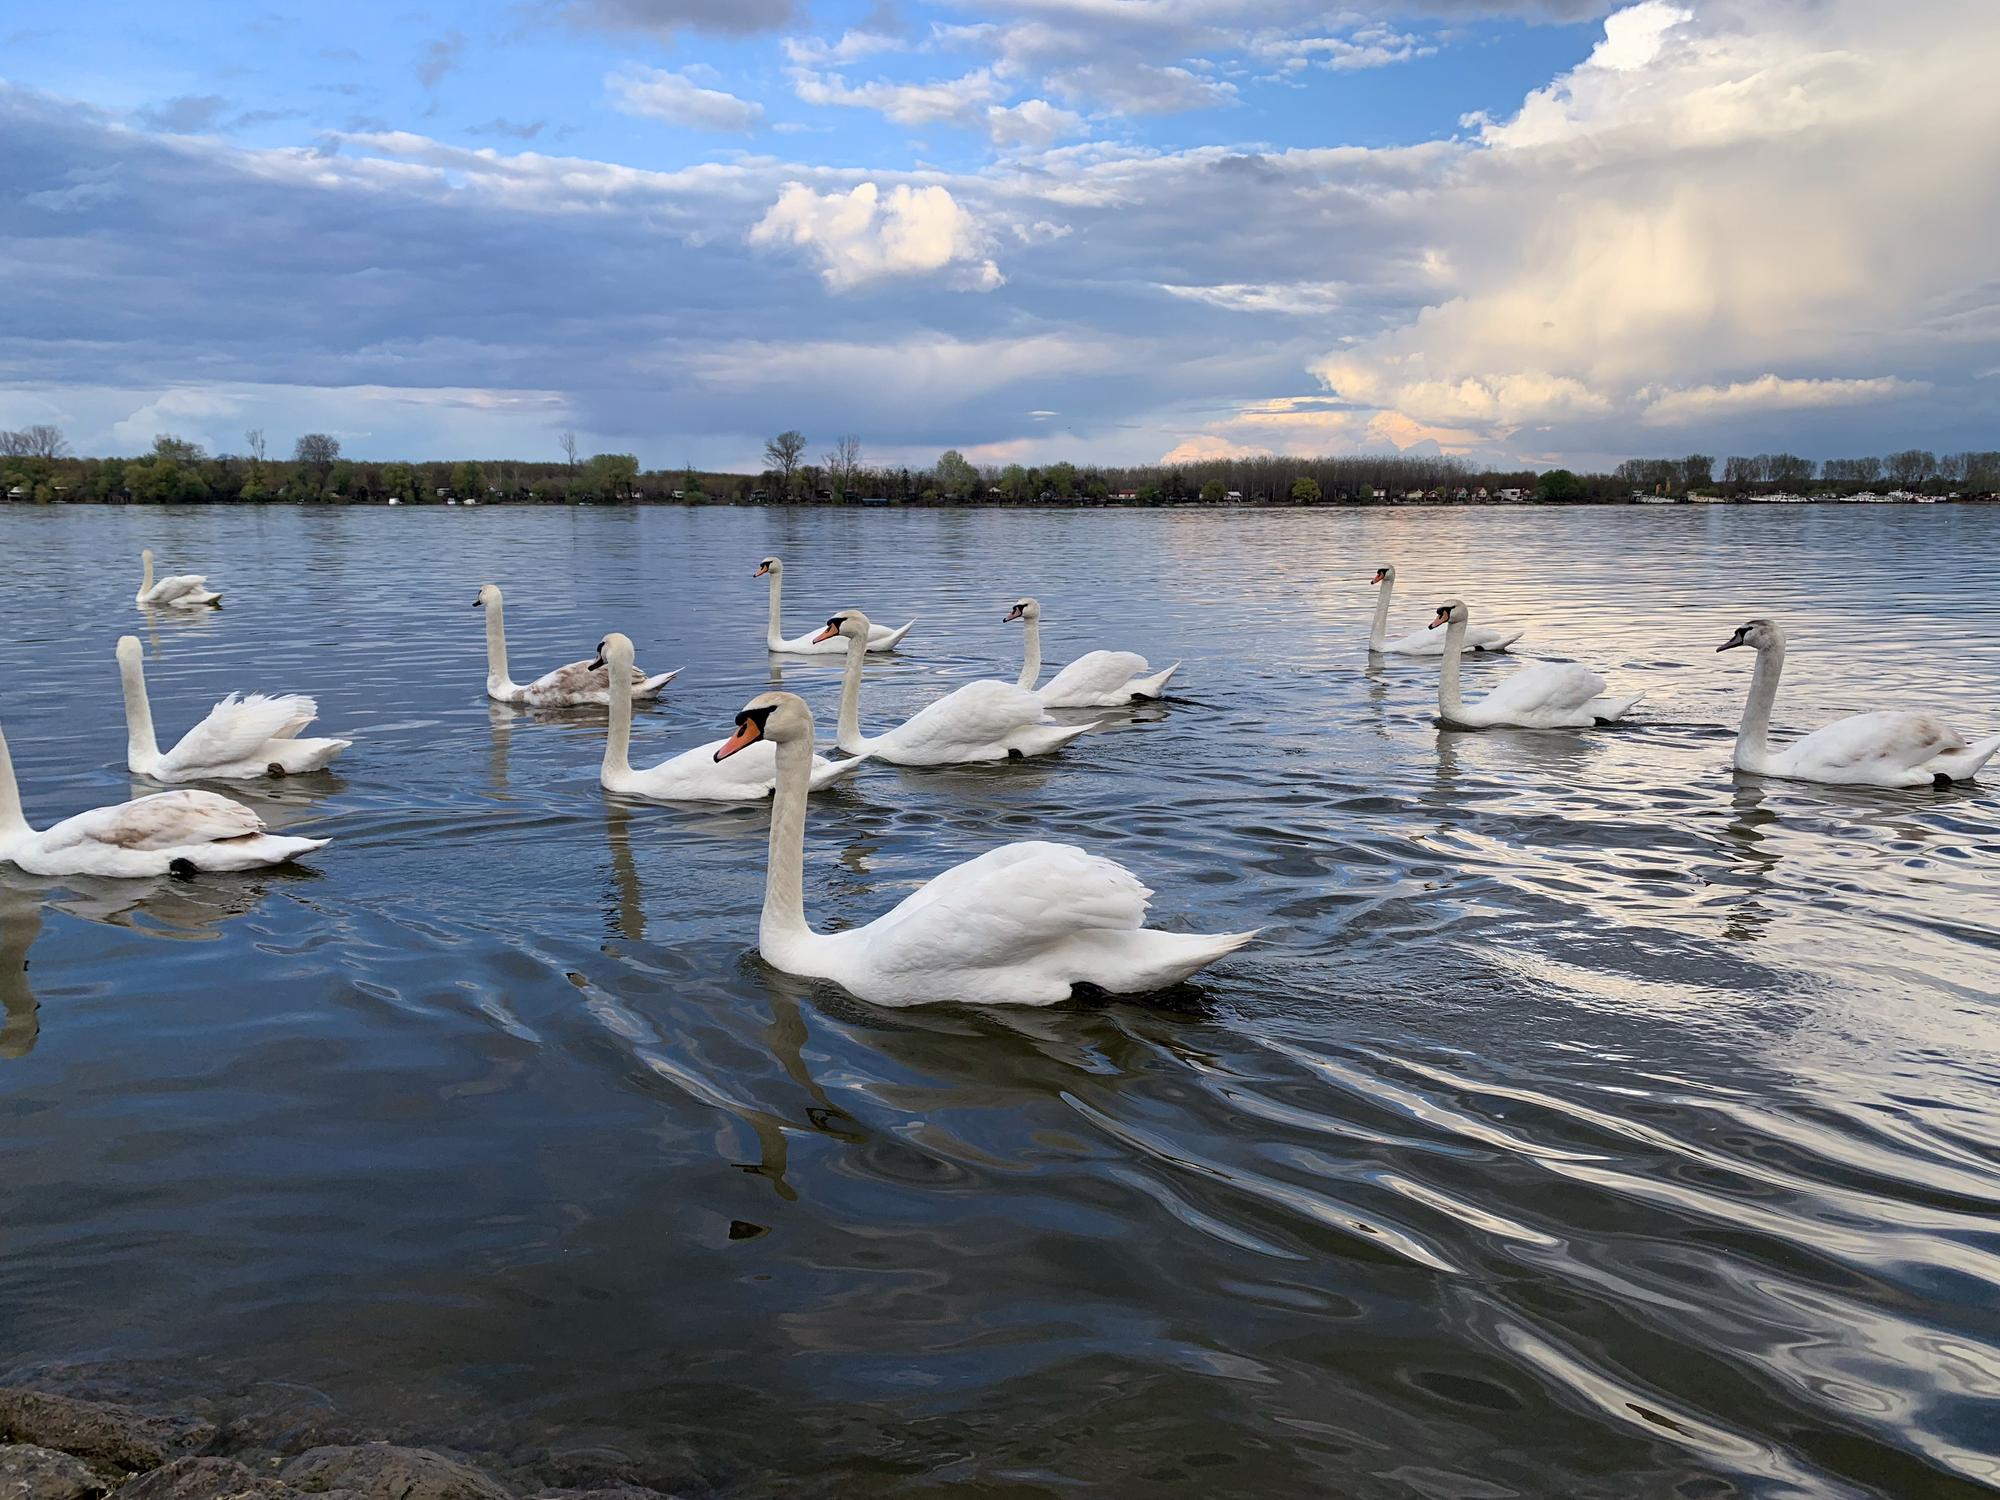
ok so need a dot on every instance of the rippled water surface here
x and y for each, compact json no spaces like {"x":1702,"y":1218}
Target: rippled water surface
{"x":1589,"y":1121}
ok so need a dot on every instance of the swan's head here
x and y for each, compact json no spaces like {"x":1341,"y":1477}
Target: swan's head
{"x":849,"y":623}
{"x":778,"y":717}
{"x":614,"y":651}
{"x":1024,"y":609}
{"x":1385,"y":574}
{"x":1755,"y":633}
{"x":146,"y":555}
{"x":1451,"y":612}
{"x":489,"y":596}
{"x":130,"y":652}
{"x":769,"y":565}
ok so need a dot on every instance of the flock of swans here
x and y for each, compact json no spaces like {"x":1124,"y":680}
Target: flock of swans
{"x":1022,"y":924}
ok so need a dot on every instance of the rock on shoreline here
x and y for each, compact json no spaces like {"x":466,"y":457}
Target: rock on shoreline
{"x":55,"y":1447}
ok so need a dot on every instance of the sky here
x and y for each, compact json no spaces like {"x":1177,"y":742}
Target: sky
{"x":1528,"y":232}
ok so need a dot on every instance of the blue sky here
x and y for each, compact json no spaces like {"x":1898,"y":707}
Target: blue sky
{"x":1529,"y":231}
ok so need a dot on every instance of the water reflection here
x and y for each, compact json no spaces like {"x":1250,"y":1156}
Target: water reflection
{"x":20,"y":925}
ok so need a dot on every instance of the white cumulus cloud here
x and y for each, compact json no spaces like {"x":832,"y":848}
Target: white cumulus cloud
{"x":867,"y":235}
{"x":675,"y":98}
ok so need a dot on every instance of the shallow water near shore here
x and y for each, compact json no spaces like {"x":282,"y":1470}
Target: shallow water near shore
{"x":1589,"y":1120}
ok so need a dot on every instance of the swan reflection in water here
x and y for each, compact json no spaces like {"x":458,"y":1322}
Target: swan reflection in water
{"x":165,"y":908}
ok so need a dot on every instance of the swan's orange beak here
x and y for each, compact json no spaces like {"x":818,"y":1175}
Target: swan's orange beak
{"x":1012,"y":615}
{"x":827,"y":634}
{"x":762,"y":569}
{"x":1380,"y":574}
{"x":1442,"y":619}
{"x":748,"y":732}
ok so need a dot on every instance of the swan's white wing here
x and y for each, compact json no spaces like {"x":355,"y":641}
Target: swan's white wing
{"x":237,"y":728}
{"x":1885,"y":738}
{"x":1544,"y":687}
{"x":1004,"y":908}
{"x":165,"y":820}
{"x":169,"y":589}
{"x":574,"y":680}
{"x":980,"y":713}
{"x":1094,"y":674}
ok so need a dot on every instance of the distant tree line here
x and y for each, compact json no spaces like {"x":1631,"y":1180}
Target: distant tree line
{"x":36,"y":464}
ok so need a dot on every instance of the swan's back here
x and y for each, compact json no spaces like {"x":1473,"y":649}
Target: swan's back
{"x":1544,"y":687}
{"x":981,"y":713}
{"x":165,"y":820}
{"x":1886,"y":739}
{"x":1095,"y":673}
{"x":236,"y":729}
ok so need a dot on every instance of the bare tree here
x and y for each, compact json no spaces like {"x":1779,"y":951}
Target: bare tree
{"x":783,"y":453}
{"x":843,"y":462}
{"x":1911,"y":466}
{"x":318,"y":451}
{"x":568,"y":444}
{"x":254,"y":441}
{"x":13,"y":444}
{"x":39,"y":441}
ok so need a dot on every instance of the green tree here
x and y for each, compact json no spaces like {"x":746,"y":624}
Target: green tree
{"x":468,"y":478}
{"x":318,"y":451}
{"x":612,"y":475}
{"x":1060,"y":479}
{"x":956,"y":479}
{"x":1214,"y":492}
{"x":1558,"y":487}
{"x":1305,"y":491}
{"x":1014,"y":484}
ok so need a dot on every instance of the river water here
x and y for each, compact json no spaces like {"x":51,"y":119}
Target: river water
{"x":1589,"y":1120}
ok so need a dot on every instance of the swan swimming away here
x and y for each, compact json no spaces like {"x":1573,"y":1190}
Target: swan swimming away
{"x":1425,"y":642}
{"x":241,"y":738}
{"x":1542,"y":695}
{"x":1883,"y":748}
{"x":696,"y":775}
{"x":880,"y":637}
{"x":1097,"y":679}
{"x":168,"y":833}
{"x":1020,"y":925}
{"x":984,"y":720}
{"x":579,"y":684}
{"x":181,"y":591}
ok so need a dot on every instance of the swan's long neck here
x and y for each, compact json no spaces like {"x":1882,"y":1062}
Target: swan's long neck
{"x":497,"y":680}
{"x":1753,"y":734}
{"x":1378,"y":633}
{"x":783,"y":924}
{"x":773,"y":637}
{"x":146,"y":563}
{"x":1031,"y":667}
{"x":1449,"y":702}
{"x":13,"y":826}
{"x":847,"y":731}
{"x":618,"y":742}
{"x":141,"y":749}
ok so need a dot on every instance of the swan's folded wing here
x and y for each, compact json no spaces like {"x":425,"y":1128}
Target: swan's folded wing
{"x":165,"y":820}
{"x":1005,"y":906}
{"x":237,"y":728}
{"x":1545,"y":685}
{"x":980,"y":713}
{"x":1094,"y":673}
{"x":573,"y":680}
{"x":1885,"y":737}
{"x":169,"y":589}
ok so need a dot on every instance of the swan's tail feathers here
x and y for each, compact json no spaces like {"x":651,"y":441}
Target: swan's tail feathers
{"x":310,"y":755}
{"x":1963,"y":765}
{"x":252,"y":852}
{"x":1611,"y":710}
{"x":650,"y":687}
{"x":1143,"y":959}
{"x":836,"y":770}
{"x":1154,"y":686}
{"x":1503,"y":642}
{"x":1045,"y":739}
{"x":893,"y":639}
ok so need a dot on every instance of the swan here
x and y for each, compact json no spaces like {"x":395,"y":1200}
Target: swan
{"x":240,"y":738}
{"x":694,"y":775}
{"x":1423,"y":642}
{"x":984,"y":720}
{"x":1884,"y":748}
{"x":181,"y":591}
{"x":1542,"y":695}
{"x":573,"y":686}
{"x":168,"y":833}
{"x":1097,"y":679}
{"x":881,"y":637}
{"x":1019,"y":925}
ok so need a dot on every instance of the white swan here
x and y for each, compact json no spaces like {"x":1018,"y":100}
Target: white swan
{"x":1020,"y":925}
{"x":881,"y":637}
{"x":1425,"y":642}
{"x":984,"y":720}
{"x":1542,"y":695}
{"x":694,"y":775}
{"x":1097,"y":679}
{"x":576,"y":685}
{"x":1884,"y":748}
{"x":181,"y":591}
{"x":168,"y":833}
{"x":240,"y":738}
